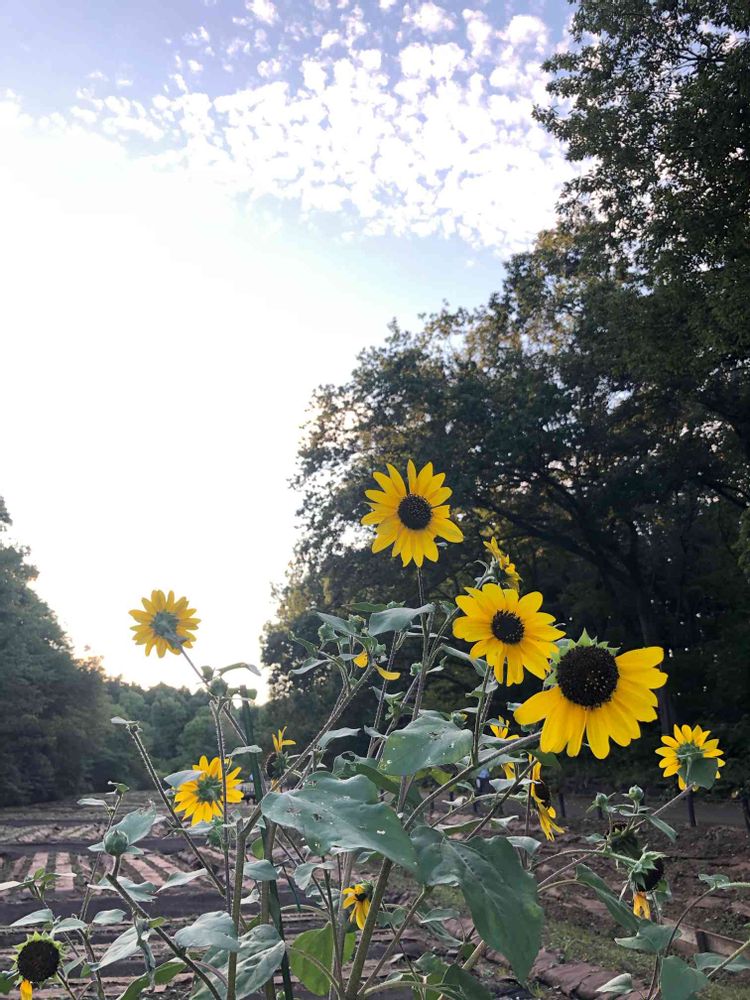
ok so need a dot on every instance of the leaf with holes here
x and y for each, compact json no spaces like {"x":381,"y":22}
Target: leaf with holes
{"x":429,"y":740}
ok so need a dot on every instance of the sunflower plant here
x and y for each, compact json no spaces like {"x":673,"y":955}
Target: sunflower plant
{"x":424,"y":804}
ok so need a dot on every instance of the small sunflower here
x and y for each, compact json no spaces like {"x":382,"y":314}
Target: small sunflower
{"x":203,"y":798}
{"x":37,"y":959}
{"x":363,"y":659}
{"x":280,"y":741}
{"x":506,"y":570}
{"x":501,"y":731}
{"x":686,"y":745}
{"x":411,"y":518}
{"x":277,"y":761}
{"x":543,"y":803}
{"x":596,"y":692}
{"x":165,"y":623}
{"x":506,"y":628}
{"x":359,"y":897}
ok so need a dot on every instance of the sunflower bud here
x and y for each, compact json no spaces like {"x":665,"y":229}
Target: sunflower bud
{"x":116,"y":843}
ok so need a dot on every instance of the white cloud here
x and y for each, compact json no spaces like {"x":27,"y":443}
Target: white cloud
{"x":97,"y":75}
{"x":428,"y":18}
{"x":269,"y":68}
{"x":479,"y":32}
{"x":194,"y":66}
{"x":264,"y":10}
{"x":526,"y":29}
{"x":123,"y":81}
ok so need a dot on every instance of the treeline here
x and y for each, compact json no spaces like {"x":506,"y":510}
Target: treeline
{"x":595,"y":414}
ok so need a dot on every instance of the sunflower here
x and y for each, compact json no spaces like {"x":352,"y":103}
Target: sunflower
{"x":595,"y":692}
{"x":543,"y":803}
{"x":501,"y":731}
{"x":203,"y":798}
{"x":410,"y":519}
{"x":506,"y":628}
{"x":506,"y":570}
{"x":641,"y":906}
{"x":643,"y":884}
{"x":166,"y":623}
{"x":364,"y":658}
{"x":37,"y":959}
{"x":280,"y":741}
{"x":359,"y":897}
{"x":685,"y":746}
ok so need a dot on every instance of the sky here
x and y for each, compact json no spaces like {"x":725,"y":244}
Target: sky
{"x":207,"y":209}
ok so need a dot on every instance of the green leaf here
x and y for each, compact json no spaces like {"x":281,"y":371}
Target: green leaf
{"x":348,"y":765}
{"x":336,"y":734}
{"x":105,"y":917}
{"x":122,"y":947}
{"x":546,"y":759}
{"x":261,"y":871}
{"x":9,"y":885}
{"x":619,"y":985}
{"x":319,"y":944}
{"x":721,"y":881}
{"x":651,"y":938}
{"x":260,"y":954}
{"x":45,"y":916}
{"x":395,"y":619}
{"x":181,"y":878}
{"x":330,"y":812}
{"x":700,"y":771}
{"x":501,"y":896}
{"x":238,"y":751}
{"x":663,"y":827}
{"x":366,"y":607}
{"x":710,"y":960}
{"x":621,"y":913}
{"x":303,"y":874}
{"x":679,"y":981}
{"x":117,"y":720}
{"x":162,"y":974}
{"x":429,"y":740}
{"x":210,"y":930}
{"x":240,"y":666}
{"x":466,"y":986}
{"x":136,"y":825}
{"x":8,"y":982}
{"x":527,"y":844}
{"x":69,"y":924}
{"x":142,"y":891}
{"x":92,"y":802}
{"x":338,"y":624}
{"x":180,"y":777}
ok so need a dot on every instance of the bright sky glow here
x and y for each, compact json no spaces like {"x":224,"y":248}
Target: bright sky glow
{"x":207,"y":209}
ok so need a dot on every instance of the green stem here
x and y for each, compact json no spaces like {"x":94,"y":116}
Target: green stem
{"x":367,"y":931}
{"x":223,"y":766}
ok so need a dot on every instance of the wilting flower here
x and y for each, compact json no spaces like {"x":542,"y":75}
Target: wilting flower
{"x":644,"y":883}
{"x":501,"y":731}
{"x":506,"y":570}
{"x":364,"y":658}
{"x":359,"y":897}
{"x":541,"y":798}
{"x":203,"y":798}
{"x":411,"y":518}
{"x":280,"y":741}
{"x":688,"y":744}
{"x":596,"y":692}
{"x":165,"y":623}
{"x":506,"y":628}
{"x":277,"y":761}
{"x":38,"y":959}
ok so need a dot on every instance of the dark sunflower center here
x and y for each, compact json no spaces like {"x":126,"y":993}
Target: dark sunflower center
{"x":414,"y":512}
{"x":587,"y":675}
{"x":507,"y":627}
{"x":38,"y":961}
{"x":649,"y":880}
{"x":164,"y":623}
{"x":209,"y":789}
{"x":360,"y":896}
{"x":541,"y":790}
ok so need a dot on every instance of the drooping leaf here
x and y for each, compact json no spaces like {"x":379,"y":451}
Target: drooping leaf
{"x":619,"y":985}
{"x":700,"y":771}
{"x":261,"y":871}
{"x":651,"y":938}
{"x":621,"y":913}
{"x":44,"y":916}
{"x":427,"y":741}
{"x":467,"y":986}
{"x":330,"y":812}
{"x":260,"y":954}
{"x":338,"y":624}
{"x":91,"y":802}
{"x":395,"y":619}
{"x":181,"y":878}
{"x":210,"y":930}
{"x":122,"y":947}
{"x":336,"y":734}
{"x":144,"y":892}
{"x":663,"y":827}
{"x":679,"y":981}
{"x":180,"y":777}
{"x":163,"y":974}
{"x":69,"y":924}
{"x":317,"y":943}
{"x":501,"y":896}
{"x":710,"y":960}
{"x":105,"y":917}
{"x":303,"y":874}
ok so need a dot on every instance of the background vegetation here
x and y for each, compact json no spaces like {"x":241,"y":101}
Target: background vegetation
{"x":594,"y":415}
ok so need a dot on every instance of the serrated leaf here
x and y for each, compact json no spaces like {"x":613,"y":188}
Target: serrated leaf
{"x":261,"y":871}
{"x":427,"y":741}
{"x":501,"y":896}
{"x":679,"y":981}
{"x":395,"y":619}
{"x":44,"y":916}
{"x":105,"y":917}
{"x":260,"y":954}
{"x":345,"y":813}
{"x":181,"y":878}
{"x":162,"y":974}
{"x":210,"y":930}
{"x":317,"y":943}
